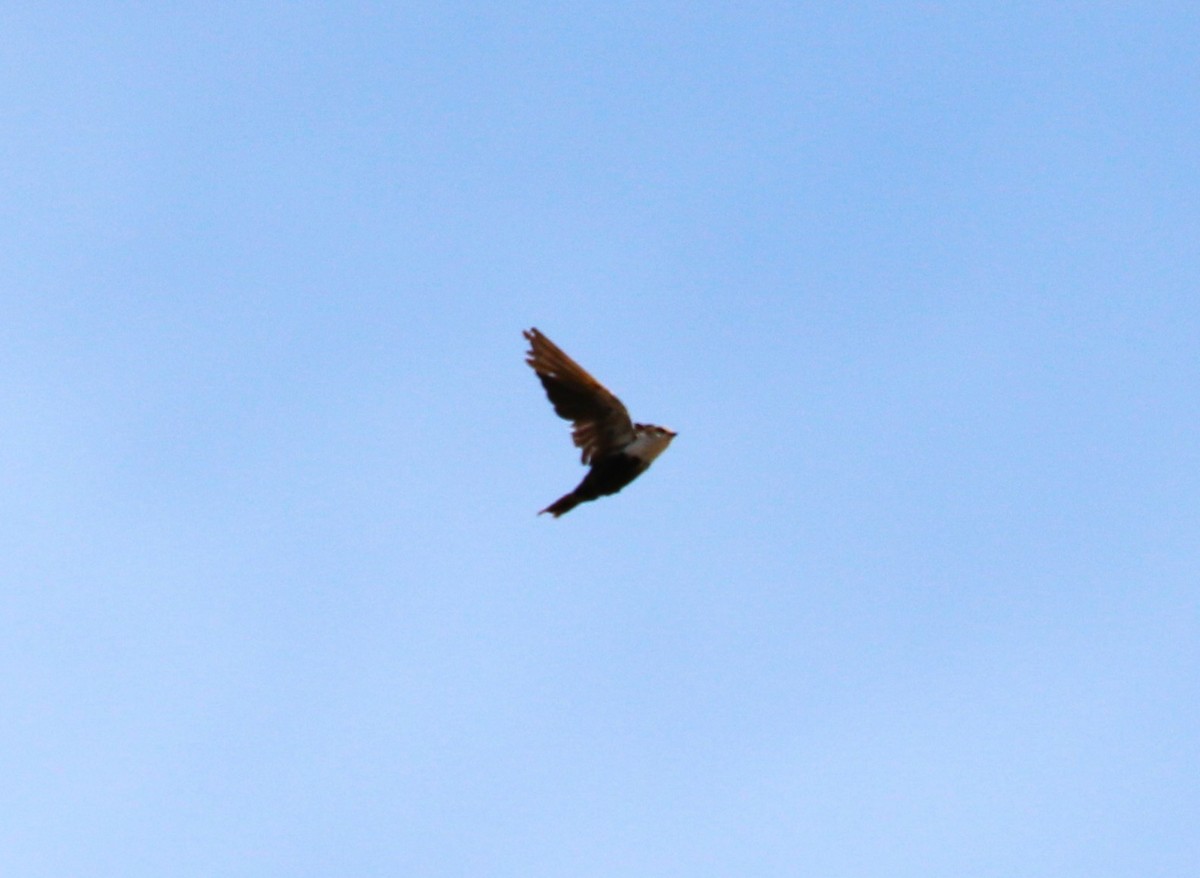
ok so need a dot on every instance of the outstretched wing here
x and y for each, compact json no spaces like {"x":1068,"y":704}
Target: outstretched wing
{"x":601,"y":423}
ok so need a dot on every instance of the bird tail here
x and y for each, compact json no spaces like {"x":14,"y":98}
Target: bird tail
{"x":562,"y":505}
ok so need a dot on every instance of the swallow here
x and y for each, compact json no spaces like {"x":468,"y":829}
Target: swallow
{"x":614,"y":448}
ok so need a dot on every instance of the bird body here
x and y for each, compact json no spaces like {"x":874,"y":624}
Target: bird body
{"x":616,"y":449}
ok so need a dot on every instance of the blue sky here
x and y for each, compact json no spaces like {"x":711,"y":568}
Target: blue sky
{"x":913,"y":594}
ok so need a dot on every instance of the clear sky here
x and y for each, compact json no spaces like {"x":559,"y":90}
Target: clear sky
{"x":916,"y":592}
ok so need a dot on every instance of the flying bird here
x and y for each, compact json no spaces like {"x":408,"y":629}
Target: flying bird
{"x":615,"y":448}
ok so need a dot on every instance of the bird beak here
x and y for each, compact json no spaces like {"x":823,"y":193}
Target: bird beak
{"x":672,"y":433}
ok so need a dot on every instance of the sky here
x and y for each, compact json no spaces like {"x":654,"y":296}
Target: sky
{"x":914,"y":592}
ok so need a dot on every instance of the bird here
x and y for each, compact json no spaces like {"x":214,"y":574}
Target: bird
{"x":615,"y":449}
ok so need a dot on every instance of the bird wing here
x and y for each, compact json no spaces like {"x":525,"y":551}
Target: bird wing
{"x":601,"y":423}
